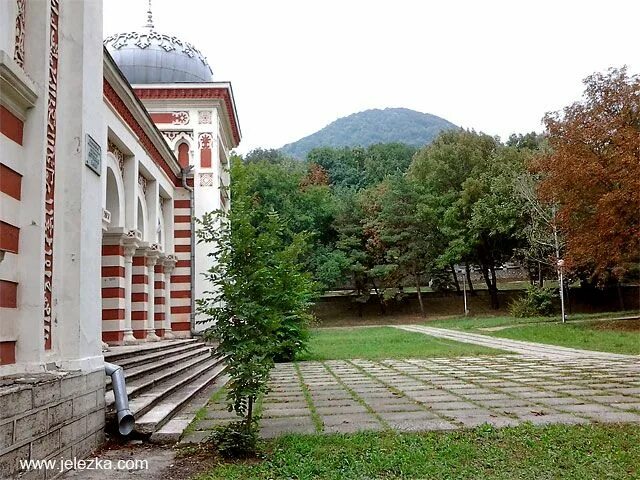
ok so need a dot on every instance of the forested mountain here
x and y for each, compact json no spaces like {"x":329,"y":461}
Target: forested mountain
{"x":366,"y":128}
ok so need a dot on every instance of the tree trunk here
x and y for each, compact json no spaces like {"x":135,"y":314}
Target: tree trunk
{"x":530,"y":273}
{"x":249,"y":414}
{"x":495,"y":303}
{"x":417,"y":277}
{"x":380,"y":299}
{"x":491,"y":284}
{"x":467,"y":271}
{"x":455,"y":277}
{"x":620,"y":295}
{"x":540,"y":277}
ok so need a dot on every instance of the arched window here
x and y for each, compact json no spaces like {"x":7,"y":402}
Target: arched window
{"x":183,"y":155}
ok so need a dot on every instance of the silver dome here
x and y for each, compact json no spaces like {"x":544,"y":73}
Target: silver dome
{"x":151,"y":57}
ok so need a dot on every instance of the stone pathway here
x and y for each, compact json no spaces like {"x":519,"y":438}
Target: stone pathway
{"x":442,"y":394}
{"x":516,"y":346}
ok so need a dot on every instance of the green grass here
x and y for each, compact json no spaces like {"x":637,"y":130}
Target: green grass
{"x":584,"y":331}
{"x":383,"y":342}
{"x":583,"y":336}
{"x":473,"y":323}
{"x":523,"y":452}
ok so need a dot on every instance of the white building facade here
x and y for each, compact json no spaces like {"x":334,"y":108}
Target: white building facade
{"x":99,"y":184}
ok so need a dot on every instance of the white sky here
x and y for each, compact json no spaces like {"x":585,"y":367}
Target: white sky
{"x":297,"y":65}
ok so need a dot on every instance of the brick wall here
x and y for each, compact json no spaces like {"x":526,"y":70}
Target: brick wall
{"x":50,"y":416}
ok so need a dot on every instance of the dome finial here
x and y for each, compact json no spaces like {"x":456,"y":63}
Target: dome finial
{"x":149,"y":24}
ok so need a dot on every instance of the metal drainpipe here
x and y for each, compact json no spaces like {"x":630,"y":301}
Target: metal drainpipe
{"x":126,"y":421}
{"x":185,"y":172}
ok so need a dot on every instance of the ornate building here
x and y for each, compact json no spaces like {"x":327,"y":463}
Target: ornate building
{"x":107,"y":153}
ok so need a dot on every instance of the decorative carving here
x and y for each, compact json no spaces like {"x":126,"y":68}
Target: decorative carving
{"x":180,"y":118}
{"x":172,"y":135}
{"x":206,"y":179}
{"x":111,"y":147}
{"x":142,"y":181}
{"x":18,"y":54}
{"x":50,"y":170}
{"x":195,"y":93}
{"x":134,"y":234}
{"x":147,"y":143}
{"x":205,"y":140}
{"x":145,"y":39}
{"x":204,"y":116}
{"x":106,"y":216}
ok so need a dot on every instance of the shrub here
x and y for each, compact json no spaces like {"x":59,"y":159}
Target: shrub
{"x":235,"y":440}
{"x":537,"y":301}
{"x":257,"y":304}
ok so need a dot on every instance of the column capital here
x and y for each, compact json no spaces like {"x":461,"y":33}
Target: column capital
{"x":143,"y":248}
{"x":169,"y":262}
{"x":152,"y":255}
{"x":131,"y":242}
{"x":114,"y":236}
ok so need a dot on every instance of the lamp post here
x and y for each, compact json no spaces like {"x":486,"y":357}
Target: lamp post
{"x":561,"y":281}
{"x":464,"y":293}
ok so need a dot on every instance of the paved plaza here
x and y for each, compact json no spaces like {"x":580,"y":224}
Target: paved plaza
{"x":445,"y":393}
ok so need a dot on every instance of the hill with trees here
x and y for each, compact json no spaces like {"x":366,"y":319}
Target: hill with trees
{"x":391,"y":125}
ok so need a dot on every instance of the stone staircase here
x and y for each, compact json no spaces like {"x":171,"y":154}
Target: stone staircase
{"x":167,"y":383}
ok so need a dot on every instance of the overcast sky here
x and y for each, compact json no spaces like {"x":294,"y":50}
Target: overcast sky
{"x":297,"y":65}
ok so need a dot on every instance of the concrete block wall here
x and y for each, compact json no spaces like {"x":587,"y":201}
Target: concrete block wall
{"x":50,"y":416}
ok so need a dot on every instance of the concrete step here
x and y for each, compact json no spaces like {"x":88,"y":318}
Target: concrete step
{"x":168,"y":352}
{"x":146,"y":369}
{"x":148,"y":380}
{"x":123,"y":352}
{"x":172,"y":431}
{"x":163,"y":410}
{"x":144,"y":402}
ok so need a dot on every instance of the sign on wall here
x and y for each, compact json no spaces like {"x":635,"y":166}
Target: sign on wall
{"x":94,"y":156}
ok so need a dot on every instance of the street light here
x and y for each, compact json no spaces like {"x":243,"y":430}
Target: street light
{"x":560,"y":264}
{"x":464,"y":291}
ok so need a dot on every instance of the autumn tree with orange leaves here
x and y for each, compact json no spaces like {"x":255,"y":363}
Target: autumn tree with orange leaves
{"x":592,"y":171}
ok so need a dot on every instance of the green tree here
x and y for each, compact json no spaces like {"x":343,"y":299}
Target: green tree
{"x":359,"y":168}
{"x":468,"y":180}
{"x":303,"y":202}
{"x":408,"y":228}
{"x":259,"y":296}
{"x":351,"y":246}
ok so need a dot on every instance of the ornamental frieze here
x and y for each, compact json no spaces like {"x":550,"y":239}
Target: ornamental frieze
{"x":50,"y":170}
{"x":18,"y":54}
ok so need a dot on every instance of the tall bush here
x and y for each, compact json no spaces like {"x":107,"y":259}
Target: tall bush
{"x":537,"y":301}
{"x":259,"y":297}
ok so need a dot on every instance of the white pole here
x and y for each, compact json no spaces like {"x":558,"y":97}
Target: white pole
{"x":560,"y":264}
{"x":464,"y":292}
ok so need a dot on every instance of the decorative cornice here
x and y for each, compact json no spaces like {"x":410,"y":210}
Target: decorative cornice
{"x":196,"y":93}
{"x":17,"y":91}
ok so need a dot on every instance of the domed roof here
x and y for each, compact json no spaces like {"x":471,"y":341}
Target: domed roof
{"x":151,"y":57}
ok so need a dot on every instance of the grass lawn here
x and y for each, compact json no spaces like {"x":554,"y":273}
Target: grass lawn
{"x":383,"y":342}
{"x":523,"y":452}
{"x":585,"y":331}
{"x":587,"y":336}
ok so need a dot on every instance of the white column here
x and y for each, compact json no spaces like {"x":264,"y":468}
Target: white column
{"x":130,"y":246}
{"x":169,"y":264}
{"x":152,"y":258}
